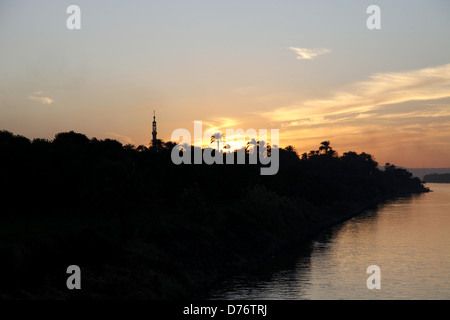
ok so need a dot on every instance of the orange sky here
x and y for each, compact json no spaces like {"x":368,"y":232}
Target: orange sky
{"x":311,"y":69}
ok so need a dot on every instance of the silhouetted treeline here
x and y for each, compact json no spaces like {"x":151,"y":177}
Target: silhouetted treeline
{"x":437,"y":178}
{"x":74,"y":174}
{"x":141,"y":226}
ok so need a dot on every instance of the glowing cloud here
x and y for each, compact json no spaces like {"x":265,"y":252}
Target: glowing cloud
{"x":120,"y":137}
{"x":221,"y":123}
{"x":362,"y":97}
{"x":308,"y":54}
{"x":37,"y":97}
{"x":387,"y":112}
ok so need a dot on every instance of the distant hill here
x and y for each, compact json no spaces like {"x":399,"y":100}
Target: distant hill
{"x":422,"y":172}
{"x":437,"y":178}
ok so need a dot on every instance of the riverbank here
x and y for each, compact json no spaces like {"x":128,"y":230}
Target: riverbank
{"x":141,"y":227}
{"x":410,"y":232}
{"x":325,"y":218}
{"x":166,"y":259}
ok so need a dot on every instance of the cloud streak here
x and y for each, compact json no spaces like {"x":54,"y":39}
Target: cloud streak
{"x":386,"y":112}
{"x":42,"y":100}
{"x":308,"y":54}
{"x":121,"y":137}
{"x":363,"y":97}
{"x":221,"y":123}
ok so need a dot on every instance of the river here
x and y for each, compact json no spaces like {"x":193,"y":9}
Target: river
{"x":407,"y":238}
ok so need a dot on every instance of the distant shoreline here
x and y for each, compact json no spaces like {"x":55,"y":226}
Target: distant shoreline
{"x":437,"y":178}
{"x":422,"y":172}
{"x":438,"y":182}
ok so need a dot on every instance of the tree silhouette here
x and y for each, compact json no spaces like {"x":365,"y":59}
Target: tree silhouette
{"x":326,"y":149}
{"x":313,"y":153}
{"x":290,"y":148}
{"x":325,"y":146}
{"x":147,"y":213}
{"x":141,"y":148}
{"x":129,"y":146}
{"x":251,"y":146}
{"x":217,"y":137}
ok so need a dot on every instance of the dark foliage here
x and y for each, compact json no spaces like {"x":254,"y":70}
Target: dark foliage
{"x":183,"y":222}
{"x":85,"y":176}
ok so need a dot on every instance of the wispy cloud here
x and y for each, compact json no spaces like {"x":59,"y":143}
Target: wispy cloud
{"x":366,"y":96}
{"x":37,"y":96}
{"x":221,"y":123}
{"x":120,"y":137}
{"x":387,"y":112}
{"x":308,"y":54}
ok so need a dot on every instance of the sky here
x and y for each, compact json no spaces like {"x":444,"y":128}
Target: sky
{"x":311,"y":69}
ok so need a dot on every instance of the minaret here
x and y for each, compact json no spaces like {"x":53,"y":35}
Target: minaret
{"x":154,"y":130}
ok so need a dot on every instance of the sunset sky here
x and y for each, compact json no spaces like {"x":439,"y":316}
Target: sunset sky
{"x":311,"y":69}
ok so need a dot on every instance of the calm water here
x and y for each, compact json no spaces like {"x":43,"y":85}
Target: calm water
{"x":408,"y":238}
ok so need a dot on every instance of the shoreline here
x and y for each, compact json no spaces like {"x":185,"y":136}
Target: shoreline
{"x":306,"y":236}
{"x":195,"y":260}
{"x":140,"y":227}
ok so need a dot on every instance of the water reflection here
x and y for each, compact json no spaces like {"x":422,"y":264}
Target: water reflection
{"x":407,"y":238}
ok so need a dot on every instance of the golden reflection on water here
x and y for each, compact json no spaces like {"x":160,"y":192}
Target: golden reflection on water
{"x":408,"y":238}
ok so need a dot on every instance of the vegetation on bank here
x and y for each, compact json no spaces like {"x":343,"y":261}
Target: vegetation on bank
{"x":141,"y":227}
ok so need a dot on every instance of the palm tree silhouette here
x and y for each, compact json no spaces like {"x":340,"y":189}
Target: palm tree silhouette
{"x":252,"y":145}
{"x":218,"y":138}
{"x":313,"y":153}
{"x":290,"y":148}
{"x":261,"y":146}
{"x":325,"y":147}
